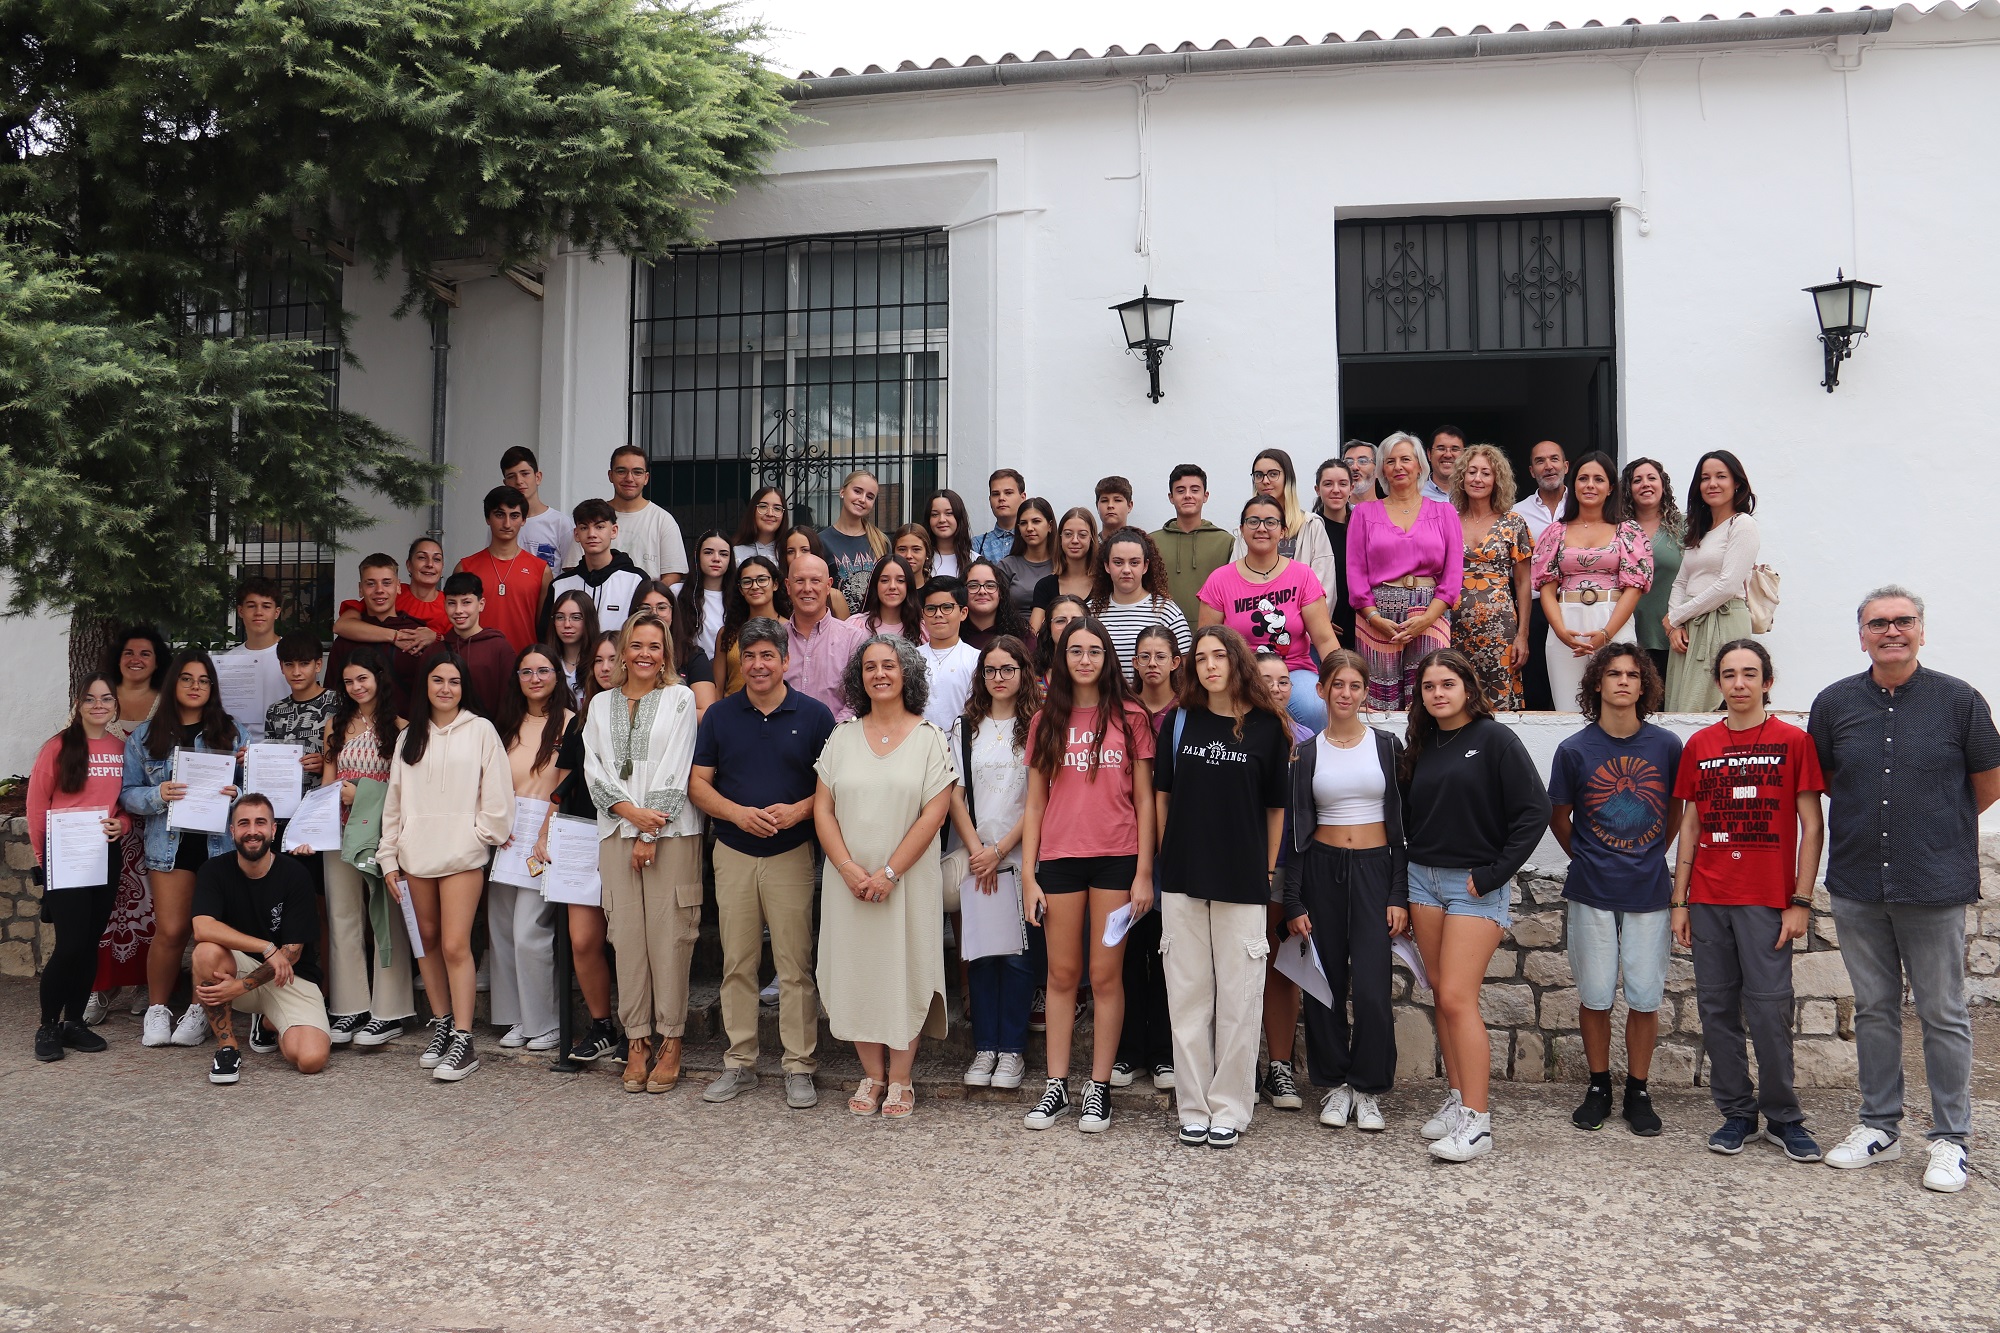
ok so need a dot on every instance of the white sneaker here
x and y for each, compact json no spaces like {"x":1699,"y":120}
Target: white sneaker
{"x":513,"y":1037}
{"x":1865,"y":1146}
{"x":1367,"y":1115}
{"x":159,"y":1028}
{"x":1335,"y":1107}
{"x":95,"y":1010}
{"x":1442,"y":1123}
{"x":192,"y":1030}
{"x":1946,"y":1173}
{"x":547,"y":1041}
{"x":1471,"y":1137}
{"x":980,"y":1075}
{"x":769,"y":995}
{"x":1013,"y":1067}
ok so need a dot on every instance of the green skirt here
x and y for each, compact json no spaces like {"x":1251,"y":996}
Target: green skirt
{"x":1691,"y":686}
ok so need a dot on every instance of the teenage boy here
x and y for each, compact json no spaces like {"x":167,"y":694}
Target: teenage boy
{"x":544,"y":534}
{"x":1613,"y":810}
{"x":608,"y":577}
{"x":488,"y":657}
{"x":518,"y":579}
{"x":421,"y":599}
{"x":1903,"y":870}
{"x":256,"y":920}
{"x":753,"y":777}
{"x":1191,"y":546}
{"x":1114,"y":504}
{"x":377,"y":611}
{"x":952,"y":661}
{"x":646,"y":532}
{"x":257,"y":609}
{"x":1004,"y":492}
{"x":300,"y":719}
{"x":1743,"y":879}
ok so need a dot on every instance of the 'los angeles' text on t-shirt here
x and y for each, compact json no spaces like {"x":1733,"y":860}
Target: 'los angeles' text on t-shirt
{"x":1089,"y":810}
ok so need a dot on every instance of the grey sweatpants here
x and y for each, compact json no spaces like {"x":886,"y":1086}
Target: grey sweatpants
{"x":1741,"y":981}
{"x":1881,"y":942}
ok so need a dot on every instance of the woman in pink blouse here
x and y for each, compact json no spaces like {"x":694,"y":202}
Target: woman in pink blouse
{"x":1405,"y":563}
{"x":1591,"y":568}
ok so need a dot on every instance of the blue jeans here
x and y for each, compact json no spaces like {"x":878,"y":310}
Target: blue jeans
{"x":1003,"y":985}
{"x":1307,"y":708}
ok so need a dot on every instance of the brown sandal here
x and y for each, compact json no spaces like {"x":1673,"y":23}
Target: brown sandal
{"x":637,"y":1053}
{"x":866,"y":1098}
{"x":667,"y":1069}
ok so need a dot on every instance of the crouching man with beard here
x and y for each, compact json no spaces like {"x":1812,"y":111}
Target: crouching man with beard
{"x":256,"y":920}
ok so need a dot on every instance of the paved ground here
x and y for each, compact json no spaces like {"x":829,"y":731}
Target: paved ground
{"x":136,"y":1197}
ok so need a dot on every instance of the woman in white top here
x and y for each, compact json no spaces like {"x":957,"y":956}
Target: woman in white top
{"x":450,"y":803}
{"x":1709,"y":605}
{"x":1304,"y":537}
{"x":1129,"y":592}
{"x":1352,"y":896}
{"x":762,"y":530}
{"x":700,"y":596}
{"x":638,"y":749}
{"x":989,"y":745}
{"x":532,"y":718}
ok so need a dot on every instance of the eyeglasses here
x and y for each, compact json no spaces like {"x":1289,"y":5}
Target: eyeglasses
{"x":628,"y":472}
{"x":1000,"y":672}
{"x":1267,"y":474}
{"x":534,"y":673}
{"x":751,"y":585}
{"x":1085,"y":650}
{"x":1882,"y":626}
{"x":941,"y":609}
{"x":982,"y":586}
{"x":1263,"y":522}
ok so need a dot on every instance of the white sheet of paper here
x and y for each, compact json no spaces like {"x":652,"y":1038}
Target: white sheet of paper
{"x":271,"y":769}
{"x":410,"y":921}
{"x":316,"y":822}
{"x":992,"y":921}
{"x":242,"y":693}
{"x":204,"y":809}
{"x":1404,"y":949}
{"x":510,"y":862}
{"x":572,"y":873}
{"x":74,"y":855}
{"x":1117,"y":925}
{"x":1298,"y":959}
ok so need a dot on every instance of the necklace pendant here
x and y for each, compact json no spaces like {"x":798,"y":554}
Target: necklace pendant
{"x":625,"y":770}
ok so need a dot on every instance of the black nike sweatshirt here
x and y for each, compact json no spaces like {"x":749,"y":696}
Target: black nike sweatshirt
{"x":1475,"y":802}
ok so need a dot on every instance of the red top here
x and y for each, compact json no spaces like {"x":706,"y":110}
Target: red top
{"x":513,"y":594}
{"x":1090,"y":813}
{"x":1745,"y":787}
{"x":431,"y":613}
{"x":103,"y":776}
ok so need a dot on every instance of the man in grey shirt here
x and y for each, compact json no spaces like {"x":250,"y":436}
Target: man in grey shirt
{"x":1911,"y":758}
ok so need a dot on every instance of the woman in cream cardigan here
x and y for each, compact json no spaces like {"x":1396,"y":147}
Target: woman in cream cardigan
{"x":450,"y":803}
{"x":1709,"y":605}
{"x":638,"y":748}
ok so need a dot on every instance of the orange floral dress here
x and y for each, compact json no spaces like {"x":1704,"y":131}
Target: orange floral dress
{"x":1484,"y":626}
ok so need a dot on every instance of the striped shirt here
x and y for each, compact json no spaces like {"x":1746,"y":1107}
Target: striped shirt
{"x":1124,"y":623}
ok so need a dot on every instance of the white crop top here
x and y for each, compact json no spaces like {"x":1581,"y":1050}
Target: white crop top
{"x":1348,"y":785}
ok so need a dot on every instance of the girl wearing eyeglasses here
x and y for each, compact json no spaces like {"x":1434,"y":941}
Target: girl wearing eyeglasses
{"x":758,"y":591}
{"x":1275,"y":602}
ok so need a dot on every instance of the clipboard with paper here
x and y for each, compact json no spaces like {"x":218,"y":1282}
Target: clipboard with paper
{"x":992,"y":921}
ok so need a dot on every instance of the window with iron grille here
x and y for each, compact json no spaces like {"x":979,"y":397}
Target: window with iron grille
{"x":791,"y":363}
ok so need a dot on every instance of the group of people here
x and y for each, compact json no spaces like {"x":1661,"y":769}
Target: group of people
{"x":1148,"y":752}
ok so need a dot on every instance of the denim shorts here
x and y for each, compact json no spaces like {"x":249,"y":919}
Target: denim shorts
{"x":1433,"y":886}
{"x":1602,"y":942}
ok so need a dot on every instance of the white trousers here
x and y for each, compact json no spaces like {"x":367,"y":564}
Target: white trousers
{"x":1565,"y":667}
{"x":1213,"y":956}
{"x":349,"y":960}
{"x":522,"y":963}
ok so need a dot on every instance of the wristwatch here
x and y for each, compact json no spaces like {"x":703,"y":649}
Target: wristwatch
{"x":648,"y":837}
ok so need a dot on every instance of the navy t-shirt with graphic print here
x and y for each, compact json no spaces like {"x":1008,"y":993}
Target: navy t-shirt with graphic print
{"x":1619,"y":791}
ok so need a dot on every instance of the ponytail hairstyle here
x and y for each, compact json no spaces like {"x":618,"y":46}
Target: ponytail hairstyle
{"x":383,"y":720}
{"x":1247,"y":691}
{"x":513,"y":707}
{"x":417,"y":736}
{"x":73,"y":754}
{"x":1026,"y":703}
{"x":214,"y":727}
{"x":1114,"y":704}
{"x":1423,"y":728}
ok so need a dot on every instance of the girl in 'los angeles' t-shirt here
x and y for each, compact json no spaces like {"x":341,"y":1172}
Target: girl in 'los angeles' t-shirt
{"x":1087,"y":849}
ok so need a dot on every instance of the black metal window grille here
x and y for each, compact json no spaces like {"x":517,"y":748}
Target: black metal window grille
{"x":792,"y":362}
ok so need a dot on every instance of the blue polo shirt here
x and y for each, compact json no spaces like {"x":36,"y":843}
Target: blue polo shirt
{"x":763,"y":759}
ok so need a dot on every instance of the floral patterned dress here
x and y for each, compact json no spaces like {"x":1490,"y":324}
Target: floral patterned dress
{"x":1485,"y":624}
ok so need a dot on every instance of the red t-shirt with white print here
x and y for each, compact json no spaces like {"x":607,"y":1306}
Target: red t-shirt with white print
{"x":1089,"y":812}
{"x":1745,"y":786}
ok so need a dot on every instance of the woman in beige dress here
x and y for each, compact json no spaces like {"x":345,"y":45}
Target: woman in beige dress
{"x":885,"y":781}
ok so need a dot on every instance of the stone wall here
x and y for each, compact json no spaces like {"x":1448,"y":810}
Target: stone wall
{"x":1530,"y":1001}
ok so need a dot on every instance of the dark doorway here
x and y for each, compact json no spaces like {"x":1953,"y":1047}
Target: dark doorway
{"x":1500,"y":325}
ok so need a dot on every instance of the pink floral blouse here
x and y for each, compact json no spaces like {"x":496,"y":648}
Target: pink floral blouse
{"x":1626,"y":563}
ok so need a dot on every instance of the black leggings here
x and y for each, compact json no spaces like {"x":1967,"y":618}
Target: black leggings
{"x":1346,"y":893}
{"x":79,"y":916}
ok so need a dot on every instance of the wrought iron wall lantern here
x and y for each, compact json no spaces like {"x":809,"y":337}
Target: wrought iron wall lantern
{"x":1149,"y":331}
{"x":1842,"y":306}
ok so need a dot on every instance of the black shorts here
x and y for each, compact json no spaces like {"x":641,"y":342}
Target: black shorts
{"x":1074,"y":874}
{"x":192,"y":853}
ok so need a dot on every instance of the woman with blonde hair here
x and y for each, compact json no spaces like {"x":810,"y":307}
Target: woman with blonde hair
{"x":1304,"y":537}
{"x":1405,"y":566}
{"x":852,"y":543}
{"x":638,"y":747}
{"x":1491,"y":623}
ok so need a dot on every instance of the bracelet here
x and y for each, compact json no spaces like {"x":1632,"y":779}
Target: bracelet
{"x":1678,"y":907}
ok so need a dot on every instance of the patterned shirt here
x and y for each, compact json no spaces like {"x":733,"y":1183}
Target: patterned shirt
{"x":1626,"y":563}
{"x":302,"y":723}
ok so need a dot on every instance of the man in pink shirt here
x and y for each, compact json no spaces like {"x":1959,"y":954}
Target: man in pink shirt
{"x":821,"y":645}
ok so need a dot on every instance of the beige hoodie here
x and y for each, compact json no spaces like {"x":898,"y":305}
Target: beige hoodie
{"x":451,"y":810}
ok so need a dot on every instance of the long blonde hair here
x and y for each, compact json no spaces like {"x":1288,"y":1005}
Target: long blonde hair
{"x":1502,"y":498}
{"x":670,"y":675}
{"x":878,"y":540}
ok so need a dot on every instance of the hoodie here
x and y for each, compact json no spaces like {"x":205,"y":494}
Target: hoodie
{"x":489,"y":667}
{"x":448,"y":812}
{"x":614,"y":588}
{"x":1190,"y":558}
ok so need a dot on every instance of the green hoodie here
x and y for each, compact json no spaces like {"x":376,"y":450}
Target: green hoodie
{"x":1190,"y":558}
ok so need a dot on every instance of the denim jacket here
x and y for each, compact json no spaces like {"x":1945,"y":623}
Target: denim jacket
{"x":141,"y":796}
